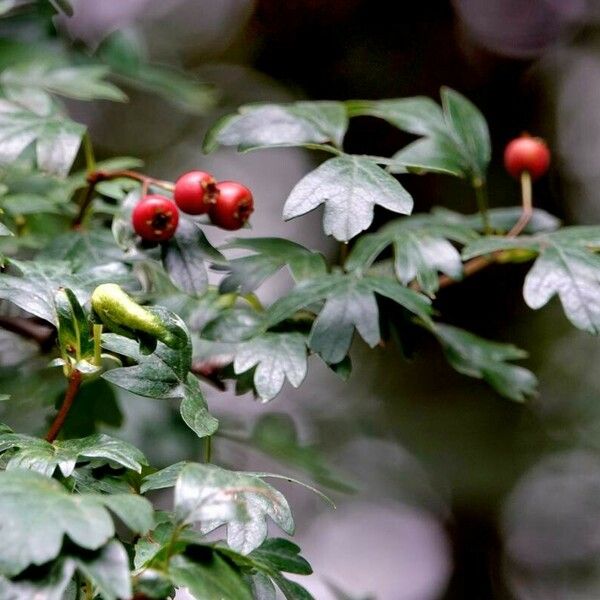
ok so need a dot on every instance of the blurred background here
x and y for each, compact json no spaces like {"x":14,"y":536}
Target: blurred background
{"x":458,"y":493}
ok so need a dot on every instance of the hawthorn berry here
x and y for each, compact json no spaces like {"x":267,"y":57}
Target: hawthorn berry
{"x":233,"y":207}
{"x":527,"y":154}
{"x":155,"y":218}
{"x":195,"y":192}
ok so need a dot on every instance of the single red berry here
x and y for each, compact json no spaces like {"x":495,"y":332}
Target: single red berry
{"x":233,"y":207}
{"x":195,"y":192}
{"x":155,"y":218}
{"x":529,"y":154}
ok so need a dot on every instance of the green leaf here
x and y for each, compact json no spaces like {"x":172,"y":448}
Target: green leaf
{"x":493,"y":243}
{"x":51,"y":586}
{"x":270,"y":559}
{"x":208,"y":577}
{"x":184,"y":256}
{"x":108,"y":569}
{"x":219,"y":497}
{"x":136,"y":512}
{"x":194,"y":410}
{"x":469,"y":130}
{"x":261,"y":587}
{"x":501,"y":219}
{"x":419,"y":115}
{"x":162,"y":374}
{"x":281,"y":555}
{"x":233,"y":325}
{"x":430,"y":155}
{"x":84,"y":249}
{"x":37,"y":512}
{"x":455,"y":140}
{"x":41,"y":456}
{"x":271,"y":255}
{"x":74,"y":335}
{"x":276,"y":356}
{"x":57,"y":139}
{"x":31,"y":84}
{"x":421,"y":249}
{"x":265,"y":125}
{"x":332,"y":332}
{"x":476,"y":357}
{"x":574,"y":275}
{"x":122,"y":51}
{"x":30,"y":204}
{"x":31,"y":285}
{"x":157,"y":375}
{"x":165,"y":478}
{"x":350,"y":187}
{"x":350,"y":303}
{"x":567,"y":266}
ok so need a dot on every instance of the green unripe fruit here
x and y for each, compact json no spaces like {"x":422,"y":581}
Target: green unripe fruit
{"x":121,"y":314}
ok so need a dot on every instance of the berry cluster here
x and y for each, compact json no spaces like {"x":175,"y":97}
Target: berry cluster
{"x":228,"y":204}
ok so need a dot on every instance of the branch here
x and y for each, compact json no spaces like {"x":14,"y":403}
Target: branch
{"x":95,"y":177}
{"x":84,"y":204}
{"x":59,"y":420}
{"x":481,"y":262}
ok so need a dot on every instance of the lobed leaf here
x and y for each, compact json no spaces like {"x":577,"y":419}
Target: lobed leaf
{"x":276,"y":356}
{"x":56,"y":138}
{"x":184,"y":256}
{"x":350,"y":187}
{"x":480,"y":358}
{"x":41,"y":456}
{"x":271,"y":254}
{"x":267,"y":125}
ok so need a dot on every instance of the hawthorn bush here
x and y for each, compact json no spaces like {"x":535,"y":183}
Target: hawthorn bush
{"x":109,"y":276}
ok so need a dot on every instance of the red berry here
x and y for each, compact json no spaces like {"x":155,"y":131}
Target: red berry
{"x":233,"y":207}
{"x":155,"y":218}
{"x":195,"y":192}
{"x":529,"y":154}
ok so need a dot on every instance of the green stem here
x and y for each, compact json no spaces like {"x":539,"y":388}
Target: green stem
{"x":254,"y":302}
{"x":89,"y":590}
{"x":343,"y":253}
{"x":207,"y":449}
{"x":97,"y":344}
{"x":482,"y":203}
{"x":171,"y":546}
{"x":88,"y":150}
{"x":324,"y":148}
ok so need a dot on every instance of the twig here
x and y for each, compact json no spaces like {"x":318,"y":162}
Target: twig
{"x":208,"y":449}
{"x":108,"y":175}
{"x":527,"y":204}
{"x":88,"y":150}
{"x":469,"y":268}
{"x":84,"y":204}
{"x":482,"y":203}
{"x":94,"y":177}
{"x":59,"y":420}
{"x":481,"y":262}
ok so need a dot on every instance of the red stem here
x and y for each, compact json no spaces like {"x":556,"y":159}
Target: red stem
{"x":59,"y":420}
